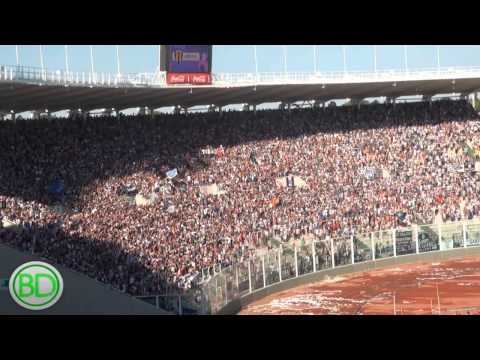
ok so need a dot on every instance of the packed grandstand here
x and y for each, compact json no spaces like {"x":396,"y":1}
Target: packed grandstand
{"x":149,"y":204}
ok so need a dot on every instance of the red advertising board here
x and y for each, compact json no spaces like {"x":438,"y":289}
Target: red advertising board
{"x":189,"y":78}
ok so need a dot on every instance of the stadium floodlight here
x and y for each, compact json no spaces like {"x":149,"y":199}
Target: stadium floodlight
{"x":91,"y":61}
{"x":405,"y":54}
{"x":118,"y":59}
{"x":17,"y":55}
{"x":256,"y":62}
{"x":438,"y":57}
{"x":67,"y":67}
{"x":42,"y":64}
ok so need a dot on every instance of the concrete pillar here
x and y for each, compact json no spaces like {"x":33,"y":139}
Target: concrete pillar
{"x":71,"y":113}
{"x":427,"y":98}
{"x":356,"y":102}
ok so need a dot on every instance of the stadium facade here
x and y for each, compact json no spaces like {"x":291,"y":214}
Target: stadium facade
{"x":33,"y":89}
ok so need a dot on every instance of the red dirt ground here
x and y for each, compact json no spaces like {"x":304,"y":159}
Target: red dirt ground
{"x":409,"y":289}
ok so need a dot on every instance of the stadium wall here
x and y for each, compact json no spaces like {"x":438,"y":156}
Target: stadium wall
{"x":81,"y":295}
{"x":237,"y":304}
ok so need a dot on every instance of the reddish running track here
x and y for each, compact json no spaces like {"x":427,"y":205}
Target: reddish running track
{"x":409,"y":289}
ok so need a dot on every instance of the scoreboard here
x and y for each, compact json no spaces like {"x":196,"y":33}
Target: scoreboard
{"x":187,"y":64}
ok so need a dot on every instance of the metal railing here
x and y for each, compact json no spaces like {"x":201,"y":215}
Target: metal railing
{"x":158,"y":79}
{"x":288,"y":262}
{"x":72,"y":78}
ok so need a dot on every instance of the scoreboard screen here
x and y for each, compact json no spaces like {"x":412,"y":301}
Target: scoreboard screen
{"x":187,"y":64}
{"x":188,"y":58}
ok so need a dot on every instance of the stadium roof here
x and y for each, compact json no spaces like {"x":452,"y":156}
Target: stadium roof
{"x":29,"y":89}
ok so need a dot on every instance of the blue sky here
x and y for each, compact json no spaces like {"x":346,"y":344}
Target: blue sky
{"x":239,"y":58}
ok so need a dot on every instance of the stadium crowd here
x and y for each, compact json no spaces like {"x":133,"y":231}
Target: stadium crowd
{"x":366,"y":169}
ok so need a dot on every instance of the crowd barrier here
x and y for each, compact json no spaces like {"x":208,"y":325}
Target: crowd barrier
{"x":287,"y":266}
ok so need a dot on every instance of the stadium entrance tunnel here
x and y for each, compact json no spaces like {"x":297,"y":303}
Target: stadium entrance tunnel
{"x":239,"y":303}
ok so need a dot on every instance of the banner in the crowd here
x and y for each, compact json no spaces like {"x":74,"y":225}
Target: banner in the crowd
{"x":274,"y":202}
{"x":172,"y":173}
{"x":253,"y":158}
{"x":56,"y":187}
{"x":220,"y":151}
{"x":290,"y":180}
{"x":208,"y":152}
{"x":369,"y":172}
{"x":404,"y":242}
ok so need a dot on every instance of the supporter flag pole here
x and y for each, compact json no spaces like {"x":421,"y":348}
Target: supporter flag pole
{"x":344,"y":51}
{"x":375,"y":59}
{"x":405,"y":54}
{"x":315,"y":59}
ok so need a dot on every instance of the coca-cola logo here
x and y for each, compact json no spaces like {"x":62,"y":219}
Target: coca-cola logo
{"x":177,"y":78}
{"x":200,"y":78}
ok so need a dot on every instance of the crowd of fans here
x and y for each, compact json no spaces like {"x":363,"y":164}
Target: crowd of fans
{"x":366,"y":169}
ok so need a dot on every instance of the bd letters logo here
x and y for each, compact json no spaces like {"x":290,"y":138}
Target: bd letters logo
{"x":36,"y":285}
